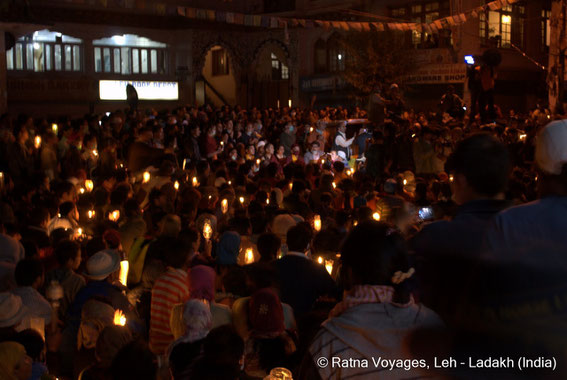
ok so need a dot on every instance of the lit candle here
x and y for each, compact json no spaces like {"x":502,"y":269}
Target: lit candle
{"x":54,"y":128}
{"x":451,"y":178}
{"x":523,"y":137}
{"x":241,"y":199}
{"x":37,"y":142}
{"x":376,"y":216}
{"x":329,"y":266}
{"x":334,"y":185}
{"x":82,"y":190}
{"x":317,"y":223}
{"x":320,"y":260}
{"x":176,"y":185}
{"x":289,"y":103}
{"x":311,"y":129}
{"x":268,"y":201}
{"x":195,"y":182}
{"x":124,"y":266}
{"x":290,"y":186}
{"x":79,"y":232}
{"x":229,"y":183}
{"x":222,"y":143}
{"x":258,"y":161}
{"x":89,"y":185}
{"x":119,"y":318}
{"x":184,"y":163}
{"x":95,"y":152}
{"x":146,"y":177}
{"x":323,"y":161}
{"x":207,"y":230}
{"x":91,"y":214}
{"x":249,"y":256}
{"x":114,"y":216}
{"x":405,"y":182}
{"x":224,"y":206}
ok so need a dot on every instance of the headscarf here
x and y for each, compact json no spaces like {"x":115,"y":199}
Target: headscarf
{"x":227,"y":248}
{"x":95,"y":316}
{"x":265,"y":313}
{"x":195,"y":324}
{"x":10,"y":355}
{"x":202,"y":283}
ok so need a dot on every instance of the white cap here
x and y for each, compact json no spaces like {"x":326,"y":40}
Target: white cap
{"x":551,"y":147}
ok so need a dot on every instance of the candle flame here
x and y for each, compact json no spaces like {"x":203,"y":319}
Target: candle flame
{"x":334,"y":185}
{"x":224,"y":206}
{"x":89,"y":185}
{"x":405,"y":182}
{"x":207,"y":230}
{"x":317,"y":223}
{"x":54,"y":127}
{"x":82,"y":190}
{"x":37,"y":142}
{"x":195,"y":182}
{"x":329,"y":266}
{"x":146,"y":177}
{"x":91,"y":214}
{"x":176,"y":185}
{"x":119,"y":318}
{"x":451,"y":178}
{"x":114,"y":216}
{"x":376,"y":216}
{"x":241,"y":199}
{"x":249,"y":257}
{"x":320,"y":260}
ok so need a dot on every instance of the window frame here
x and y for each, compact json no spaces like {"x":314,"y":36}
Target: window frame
{"x":48,"y":63}
{"x":506,"y":35}
{"x":128,"y":69}
{"x":219,"y":68}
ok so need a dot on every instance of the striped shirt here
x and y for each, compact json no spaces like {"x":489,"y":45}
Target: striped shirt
{"x":170,"y":289}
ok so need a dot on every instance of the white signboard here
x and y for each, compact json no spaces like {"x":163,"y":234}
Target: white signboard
{"x":147,"y":90}
{"x":438,"y":74}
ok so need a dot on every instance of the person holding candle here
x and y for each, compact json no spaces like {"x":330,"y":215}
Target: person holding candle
{"x":377,"y":312}
{"x":170,"y":288}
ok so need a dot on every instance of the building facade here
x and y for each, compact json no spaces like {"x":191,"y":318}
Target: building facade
{"x":76,"y":57}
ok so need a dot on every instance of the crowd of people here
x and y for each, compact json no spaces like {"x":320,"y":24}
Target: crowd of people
{"x":231,"y":243}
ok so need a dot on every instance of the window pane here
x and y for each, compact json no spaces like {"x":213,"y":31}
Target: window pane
{"x":547,"y":32}
{"x":48,"y":52}
{"x":97,"y":60}
{"x":10,"y":59}
{"x":144,"y":61}
{"x":76,"y":58}
{"x":57,"y":57}
{"x":29,"y":56}
{"x":117,"y":60}
{"x":68,"y":60}
{"x":493,"y":24}
{"x":154,"y":61}
{"x":38,"y":56}
{"x":19,"y":57}
{"x":285,"y":72}
{"x":106,"y":57}
{"x":135,"y":61}
{"x":126,"y":60}
{"x":162,"y":61}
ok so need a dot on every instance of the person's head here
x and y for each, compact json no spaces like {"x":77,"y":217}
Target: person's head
{"x":15,"y":364}
{"x":268,"y":246}
{"x":298,"y":238}
{"x":315,"y":147}
{"x":176,"y":253}
{"x":372,"y":254}
{"x":342,"y":127}
{"x":480,"y":167}
{"x":103,"y":265}
{"x":170,"y":225}
{"x":33,"y":343}
{"x":202,"y":283}
{"x":68,"y":254}
{"x":223,"y":351}
{"x":110,"y":340}
{"x":281,"y":150}
{"x":66,"y":192}
{"x":551,"y":159}
{"x":270,"y":149}
{"x":134,"y":361}
{"x":194,"y":130}
{"x":197,"y":320}
{"x":265,"y":314}
{"x":29,"y":272}
{"x":227,"y":248}
{"x":450,"y":90}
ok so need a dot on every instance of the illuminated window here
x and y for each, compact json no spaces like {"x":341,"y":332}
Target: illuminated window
{"x":545,"y":28}
{"x":45,"y":51}
{"x":503,"y":27}
{"x":279,"y":70}
{"x":398,"y":12}
{"x":220,"y":62}
{"x":337,"y":54}
{"x":425,"y":14}
{"x":130,"y":54}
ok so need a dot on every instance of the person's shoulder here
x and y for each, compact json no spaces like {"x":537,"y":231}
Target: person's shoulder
{"x":532,"y":208}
